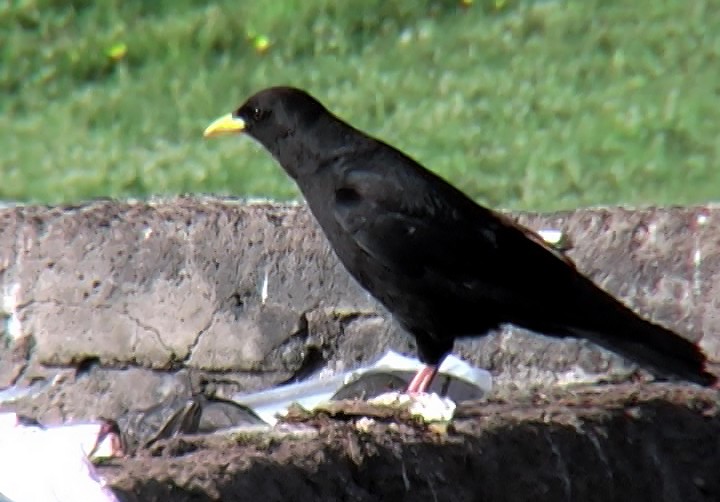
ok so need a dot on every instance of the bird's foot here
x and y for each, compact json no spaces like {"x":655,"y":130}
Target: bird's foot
{"x":430,"y":407}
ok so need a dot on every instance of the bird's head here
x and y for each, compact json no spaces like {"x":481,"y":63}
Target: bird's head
{"x":282,"y":119}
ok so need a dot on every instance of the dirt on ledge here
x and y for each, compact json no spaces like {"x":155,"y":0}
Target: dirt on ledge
{"x":658,"y":442}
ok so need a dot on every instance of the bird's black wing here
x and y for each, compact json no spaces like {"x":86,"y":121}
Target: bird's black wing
{"x":412,"y":221}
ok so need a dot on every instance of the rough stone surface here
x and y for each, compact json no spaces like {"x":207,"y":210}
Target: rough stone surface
{"x":247,"y":296}
{"x":112,"y":307}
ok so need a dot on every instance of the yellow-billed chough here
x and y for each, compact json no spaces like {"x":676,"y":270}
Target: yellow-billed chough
{"x":444,"y":266}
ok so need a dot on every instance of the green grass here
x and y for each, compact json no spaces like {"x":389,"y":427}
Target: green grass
{"x":528,"y":105}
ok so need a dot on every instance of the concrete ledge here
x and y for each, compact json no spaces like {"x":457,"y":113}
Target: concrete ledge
{"x":246,"y":296}
{"x":113,"y":307}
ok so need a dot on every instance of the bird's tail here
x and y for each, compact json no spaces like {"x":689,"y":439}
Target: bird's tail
{"x":669,"y":356}
{"x":662,"y":351}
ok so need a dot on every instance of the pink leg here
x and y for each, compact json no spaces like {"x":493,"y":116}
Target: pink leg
{"x":422,"y":380}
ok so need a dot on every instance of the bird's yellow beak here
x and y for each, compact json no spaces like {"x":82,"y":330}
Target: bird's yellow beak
{"x":227,"y":124}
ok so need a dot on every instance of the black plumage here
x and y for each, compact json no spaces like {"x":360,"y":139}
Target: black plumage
{"x":444,"y":266}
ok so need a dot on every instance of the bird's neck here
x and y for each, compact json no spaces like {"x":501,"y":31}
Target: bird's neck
{"x":303,"y":155}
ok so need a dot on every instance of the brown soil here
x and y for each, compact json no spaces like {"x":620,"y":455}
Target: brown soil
{"x":657,"y":442}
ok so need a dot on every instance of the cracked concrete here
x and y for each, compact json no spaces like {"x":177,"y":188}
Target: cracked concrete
{"x":246,"y":296}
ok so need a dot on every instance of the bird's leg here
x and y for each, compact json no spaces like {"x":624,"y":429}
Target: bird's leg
{"x":431,"y":351}
{"x":422,"y":379}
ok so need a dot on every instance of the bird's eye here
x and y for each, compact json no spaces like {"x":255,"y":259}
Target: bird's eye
{"x":258,"y":114}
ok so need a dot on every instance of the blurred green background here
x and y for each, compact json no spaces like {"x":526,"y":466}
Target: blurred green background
{"x":523,"y":104}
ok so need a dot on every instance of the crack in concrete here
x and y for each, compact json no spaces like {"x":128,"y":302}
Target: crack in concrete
{"x":59,"y":304}
{"x":149,"y":328}
{"x":193,"y":345}
{"x":133,"y":361}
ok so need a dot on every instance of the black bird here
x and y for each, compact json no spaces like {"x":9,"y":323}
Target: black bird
{"x":444,"y":266}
